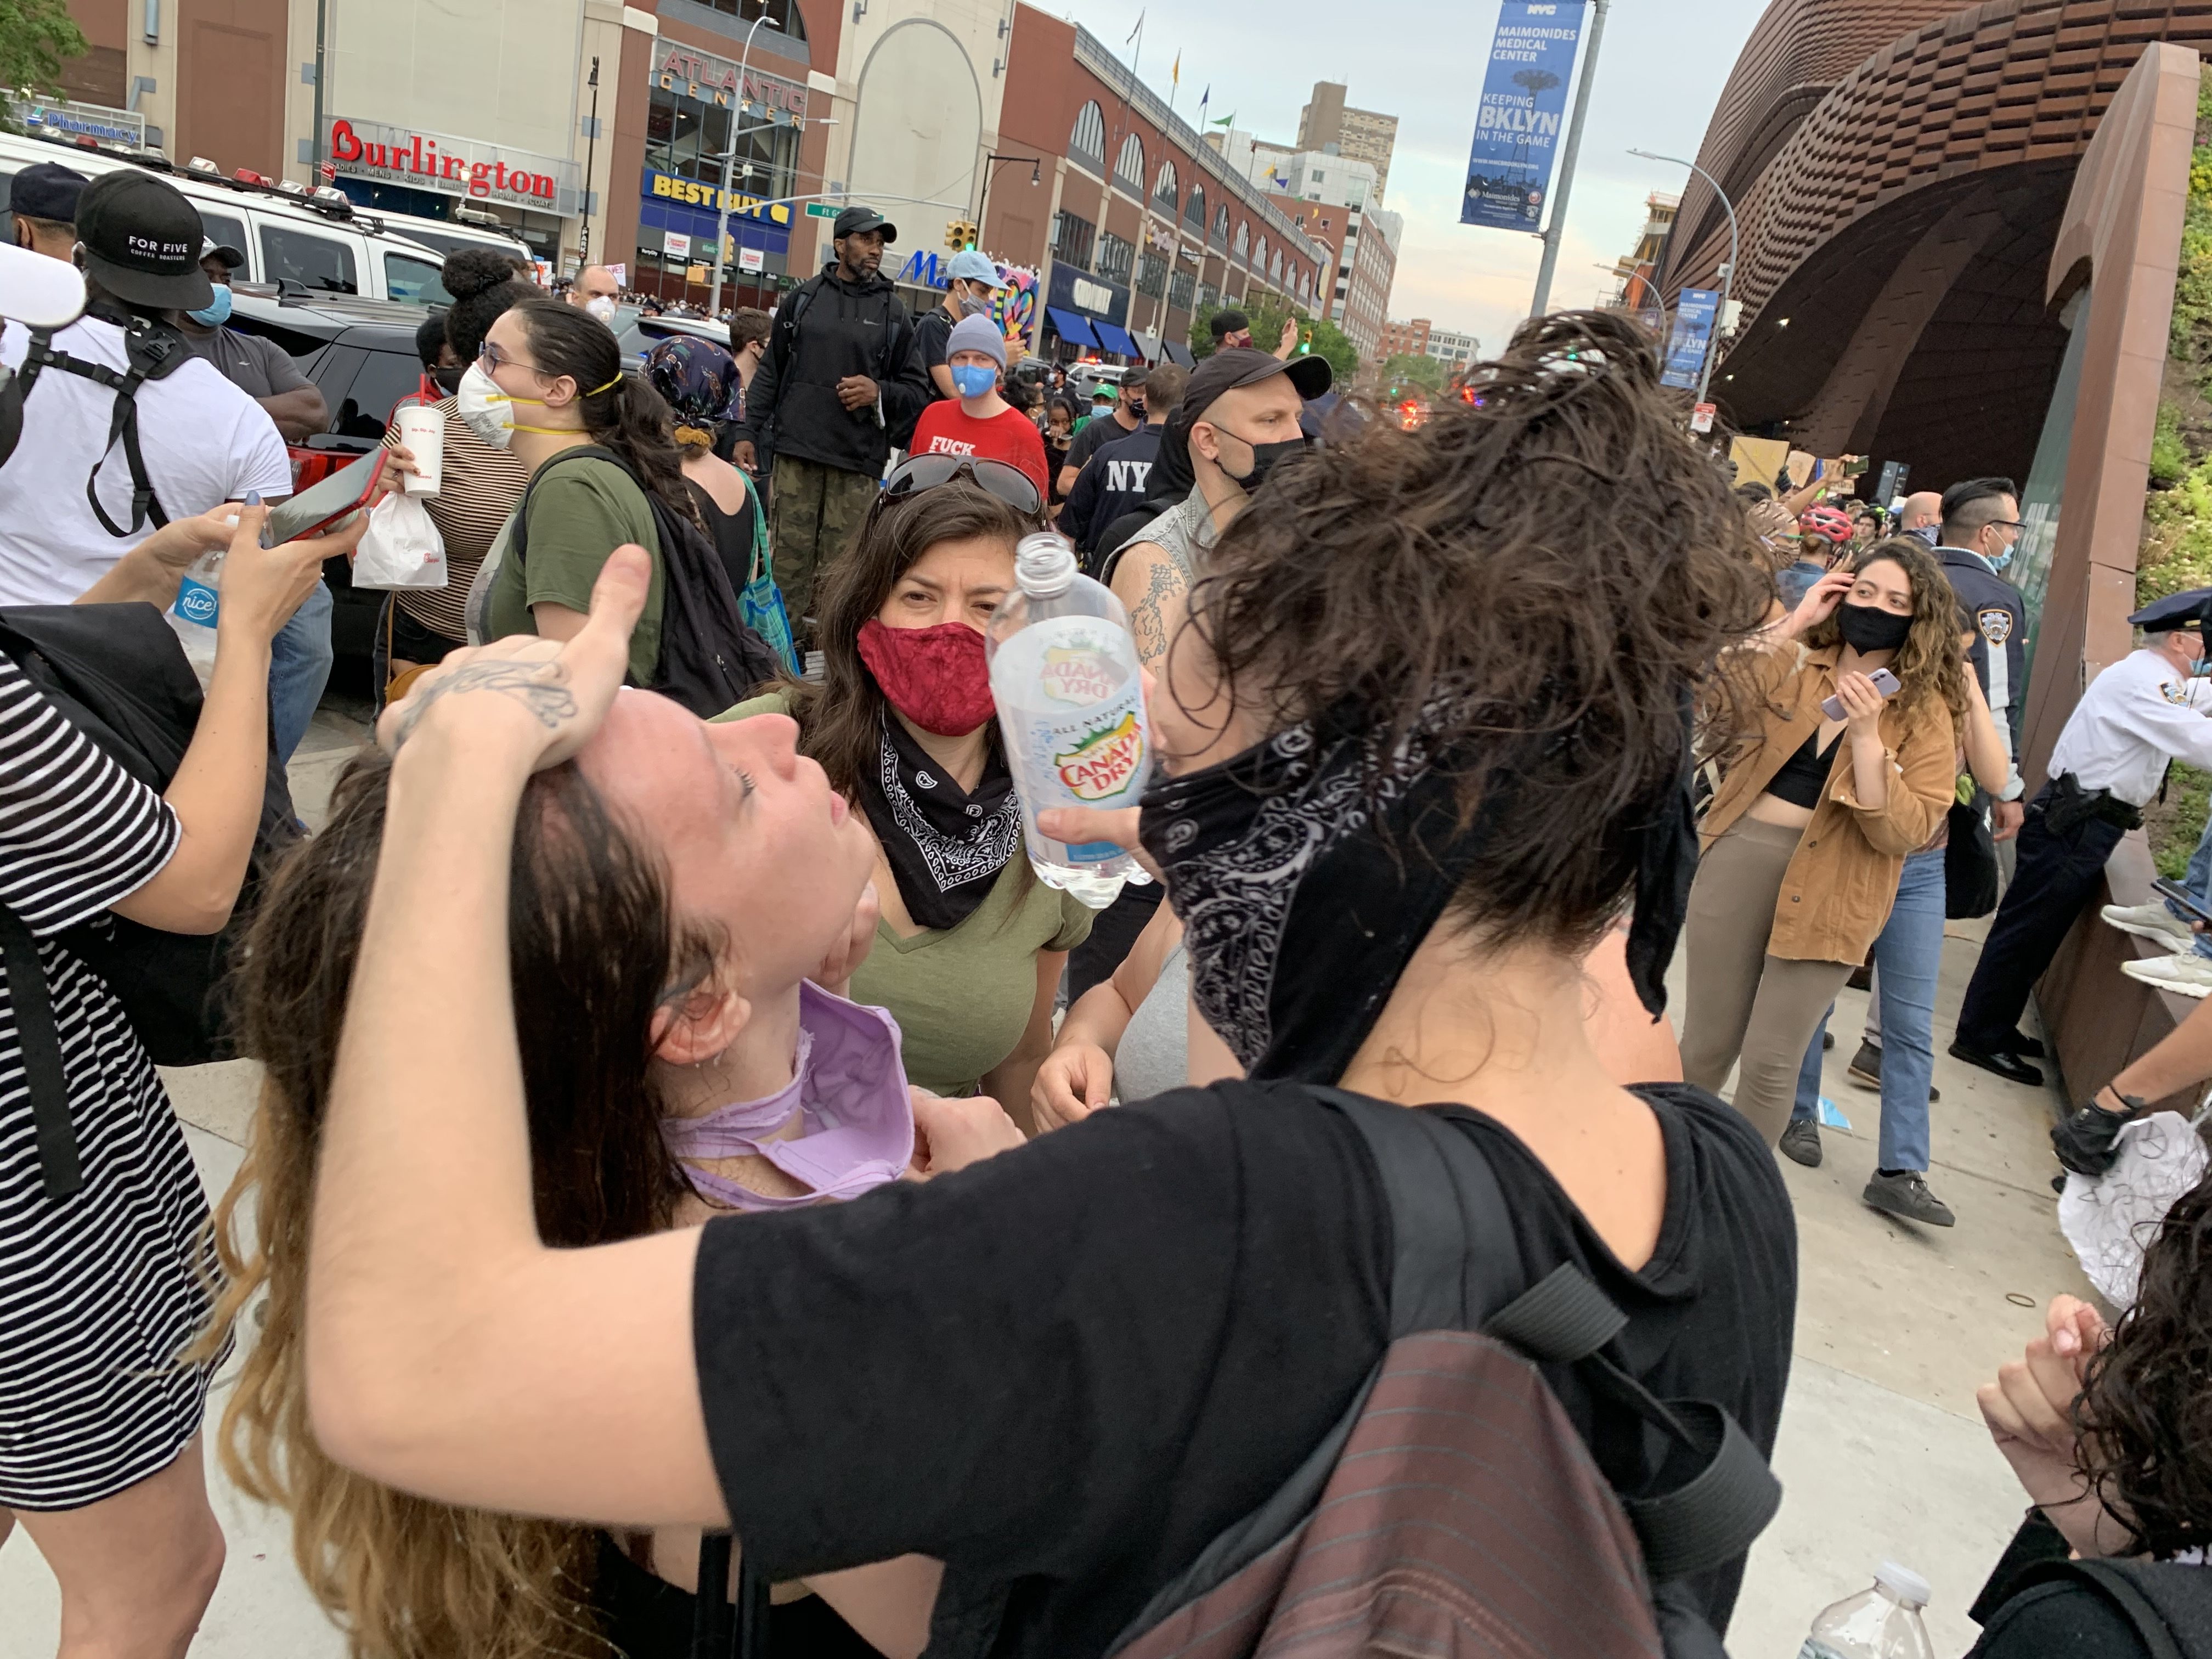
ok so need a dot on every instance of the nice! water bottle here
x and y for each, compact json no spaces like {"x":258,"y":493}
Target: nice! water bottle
{"x":1070,"y":690}
{"x":192,"y":616}
{"x":1881,"y":1623}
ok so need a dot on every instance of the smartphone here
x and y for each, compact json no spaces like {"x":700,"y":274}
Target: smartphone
{"x":320,"y":507}
{"x":1882,"y":681}
{"x":2180,"y":896}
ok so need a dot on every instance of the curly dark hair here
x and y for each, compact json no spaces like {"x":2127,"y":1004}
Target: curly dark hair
{"x":1554,"y":561}
{"x":1928,"y":663}
{"x":2143,"y":1419}
{"x":483,"y":282}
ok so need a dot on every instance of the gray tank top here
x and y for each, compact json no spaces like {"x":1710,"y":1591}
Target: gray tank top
{"x":1154,"y":1053}
{"x":1186,"y":530}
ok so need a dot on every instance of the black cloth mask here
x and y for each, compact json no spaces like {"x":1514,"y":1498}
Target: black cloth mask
{"x":1308,"y":869}
{"x":1869,"y":628}
{"x":1266,"y":457}
{"x":945,"y":847}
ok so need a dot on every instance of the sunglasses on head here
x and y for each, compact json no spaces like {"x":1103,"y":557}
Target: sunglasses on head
{"x":919,"y":472}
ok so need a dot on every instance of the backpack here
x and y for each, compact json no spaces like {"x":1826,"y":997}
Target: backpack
{"x":117,"y":674}
{"x":2168,"y":1602}
{"x":709,"y":659}
{"x":1453,"y":1511}
{"x":154,"y":351}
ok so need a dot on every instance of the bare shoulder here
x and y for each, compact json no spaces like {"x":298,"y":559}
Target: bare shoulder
{"x":724,"y":484}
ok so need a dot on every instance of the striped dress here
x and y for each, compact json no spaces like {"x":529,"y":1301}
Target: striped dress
{"x":99,"y":1290}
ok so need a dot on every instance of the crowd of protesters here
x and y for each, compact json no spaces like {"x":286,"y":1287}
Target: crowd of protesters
{"x":590,"y":1264}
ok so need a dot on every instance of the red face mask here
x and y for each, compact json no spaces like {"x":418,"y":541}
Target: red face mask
{"x":936,"y":677}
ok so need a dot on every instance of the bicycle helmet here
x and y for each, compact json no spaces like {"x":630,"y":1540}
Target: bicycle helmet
{"x":1826,"y":523}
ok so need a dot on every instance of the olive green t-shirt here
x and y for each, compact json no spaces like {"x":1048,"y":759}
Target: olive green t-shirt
{"x":578,"y":516}
{"x":963,"y":995}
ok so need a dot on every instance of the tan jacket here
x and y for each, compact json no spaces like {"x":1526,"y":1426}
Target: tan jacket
{"x":1842,"y":881}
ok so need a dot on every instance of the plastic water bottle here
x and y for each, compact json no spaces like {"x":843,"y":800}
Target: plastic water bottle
{"x":1881,"y":1623}
{"x":200,"y":598}
{"x":1066,"y":679}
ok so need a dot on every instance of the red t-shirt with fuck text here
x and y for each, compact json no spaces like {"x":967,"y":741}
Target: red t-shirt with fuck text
{"x":1010,"y":436}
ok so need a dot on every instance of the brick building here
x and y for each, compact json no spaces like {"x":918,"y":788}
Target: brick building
{"x":1329,"y":124}
{"x":1404,"y":339}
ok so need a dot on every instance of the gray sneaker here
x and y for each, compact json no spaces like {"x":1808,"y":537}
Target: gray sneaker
{"x":1903,"y":1193}
{"x":1801,"y":1142}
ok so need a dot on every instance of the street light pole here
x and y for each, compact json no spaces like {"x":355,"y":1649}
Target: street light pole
{"x":590,"y":161}
{"x":1728,"y":270}
{"x":721,"y":211}
{"x":1553,"y":231}
{"x":990,"y":165}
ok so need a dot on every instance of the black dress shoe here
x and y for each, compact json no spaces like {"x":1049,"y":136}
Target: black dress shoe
{"x":2027,"y":1047}
{"x":2011,"y":1067}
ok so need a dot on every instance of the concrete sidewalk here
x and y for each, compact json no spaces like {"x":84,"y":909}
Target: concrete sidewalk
{"x":1882,"y":1454}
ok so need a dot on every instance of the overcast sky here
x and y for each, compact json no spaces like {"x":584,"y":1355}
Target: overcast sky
{"x":1659,"y":70}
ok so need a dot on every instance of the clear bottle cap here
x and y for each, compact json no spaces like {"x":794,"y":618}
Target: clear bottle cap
{"x":1044,"y":563}
{"x":1906,"y":1585}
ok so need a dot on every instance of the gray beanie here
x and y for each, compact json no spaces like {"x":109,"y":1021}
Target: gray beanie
{"x":977,"y":334}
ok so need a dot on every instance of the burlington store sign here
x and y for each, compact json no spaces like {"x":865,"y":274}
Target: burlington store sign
{"x":452,"y":167}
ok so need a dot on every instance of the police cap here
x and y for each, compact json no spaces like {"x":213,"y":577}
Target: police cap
{"x":2184,"y":609}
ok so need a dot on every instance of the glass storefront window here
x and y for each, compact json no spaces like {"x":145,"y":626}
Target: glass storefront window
{"x":686,"y":135}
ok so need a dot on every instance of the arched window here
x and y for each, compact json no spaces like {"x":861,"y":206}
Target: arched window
{"x":1277,"y":270}
{"x":1130,"y":168}
{"x":1243,"y":239}
{"x":1221,"y":226}
{"x":1164,"y":190}
{"x":1260,"y":265}
{"x":1193,"y":212}
{"x":1087,"y":143}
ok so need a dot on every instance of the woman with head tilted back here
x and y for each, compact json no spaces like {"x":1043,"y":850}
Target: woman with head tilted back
{"x":969,"y":951}
{"x":1807,"y":837}
{"x":677,"y":1066}
{"x":1065,"y":1372}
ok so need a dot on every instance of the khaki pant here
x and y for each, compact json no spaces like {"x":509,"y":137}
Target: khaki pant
{"x":1748,"y":1009}
{"x":814,"y":512}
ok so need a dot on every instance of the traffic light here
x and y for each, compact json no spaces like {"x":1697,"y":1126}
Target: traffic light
{"x":1305,"y":340}
{"x":960,"y":233}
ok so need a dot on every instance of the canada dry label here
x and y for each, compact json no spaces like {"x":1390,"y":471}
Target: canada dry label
{"x":1083,"y":723}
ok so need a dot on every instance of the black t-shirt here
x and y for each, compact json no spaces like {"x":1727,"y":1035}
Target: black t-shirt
{"x":931,"y":330}
{"x":1064,"y":1371}
{"x":1099,"y":431}
{"x":2060,"y":1619}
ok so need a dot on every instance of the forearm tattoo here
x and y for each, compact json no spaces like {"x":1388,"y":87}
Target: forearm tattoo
{"x":1146,"y":621}
{"x":542,"y":687}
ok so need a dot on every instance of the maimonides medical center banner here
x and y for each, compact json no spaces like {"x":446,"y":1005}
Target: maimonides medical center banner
{"x":1516,"y":125}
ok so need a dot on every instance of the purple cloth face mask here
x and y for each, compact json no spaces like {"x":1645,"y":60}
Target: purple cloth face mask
{"x":848,"y":1088}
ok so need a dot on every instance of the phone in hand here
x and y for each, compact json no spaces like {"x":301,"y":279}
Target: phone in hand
{"x":320,"y":507}
{"x":1882,"y":681}
{"x":2181,"y":896}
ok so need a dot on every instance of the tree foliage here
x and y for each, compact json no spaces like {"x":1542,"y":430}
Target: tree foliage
{"x":36,"y":38}
{"x":1266,"y":316}
{"x":1411,"y":368}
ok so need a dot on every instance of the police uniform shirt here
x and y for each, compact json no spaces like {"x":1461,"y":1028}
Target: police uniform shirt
{"x":2132,"y":719}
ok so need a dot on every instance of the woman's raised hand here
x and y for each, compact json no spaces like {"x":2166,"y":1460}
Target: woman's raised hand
{"x":262,"y":586}
{"x":2029,"y":1411}
{"x":546,"y":696}
{"x":1862,"y":704}
{"x":1820,"y":602}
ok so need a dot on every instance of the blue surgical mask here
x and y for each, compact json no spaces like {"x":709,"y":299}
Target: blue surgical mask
{"x":973,"y":380}
{"x":216,"y":311}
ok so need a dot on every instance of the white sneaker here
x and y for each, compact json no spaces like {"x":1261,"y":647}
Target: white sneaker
{"x":2153,"y":921}
{"x":2191,"y":975}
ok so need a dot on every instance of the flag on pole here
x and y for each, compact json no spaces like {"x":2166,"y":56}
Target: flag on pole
{"x":1139,"y":30}
{"x":1228,"y":120}
{"x":1202,"y":99}
{"x":1175,"y":74}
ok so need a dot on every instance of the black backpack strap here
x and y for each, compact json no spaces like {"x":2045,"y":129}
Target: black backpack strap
{"x":720,"y":1630}
{"x":154,"y":352}
{"x":2120,"y":1584}
{"x":1457,"y":1266}
{"x":39,"y":1037}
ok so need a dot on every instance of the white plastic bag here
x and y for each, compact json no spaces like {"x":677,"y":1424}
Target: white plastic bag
{"x":2109,"y":1219}
{"x":401,"y":548}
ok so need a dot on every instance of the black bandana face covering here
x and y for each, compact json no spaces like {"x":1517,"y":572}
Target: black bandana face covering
{"x":946,"y":848}
{"x":1308,"y":870}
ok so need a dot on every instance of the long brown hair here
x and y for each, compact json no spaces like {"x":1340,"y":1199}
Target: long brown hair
{"x":841,"y":720}
{"x":594,"y":945}
{"x":1928,"y":663}
{"x":1544,"y":577}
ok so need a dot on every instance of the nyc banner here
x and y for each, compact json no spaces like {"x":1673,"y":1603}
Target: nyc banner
{"x":1517,"y":124}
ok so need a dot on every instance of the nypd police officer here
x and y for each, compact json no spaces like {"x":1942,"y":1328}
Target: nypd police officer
{"x":2142,"y":711}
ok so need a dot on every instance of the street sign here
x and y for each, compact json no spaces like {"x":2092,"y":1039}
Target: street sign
{"x":1701,"y":418}
{"x":1891,"y":485}
{"x":824,"y":210}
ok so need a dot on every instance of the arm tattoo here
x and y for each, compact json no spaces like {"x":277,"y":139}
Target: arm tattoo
{"x":1162,"y":583}
{"x":542,"y":687}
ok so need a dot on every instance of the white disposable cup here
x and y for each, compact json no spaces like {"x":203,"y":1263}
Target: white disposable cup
{"x":423,"y":429}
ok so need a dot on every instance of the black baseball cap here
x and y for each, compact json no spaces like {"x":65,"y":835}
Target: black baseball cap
{"x":231,"y":257}
{"x":1240,"y":365}
{"x":141,"y":241}
{"x":1228,"y":322}
{"x":855,"y":219}
{"x":47,"y":189}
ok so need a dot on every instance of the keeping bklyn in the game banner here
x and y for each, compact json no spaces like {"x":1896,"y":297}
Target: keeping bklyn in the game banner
{"x":1516,"y":125}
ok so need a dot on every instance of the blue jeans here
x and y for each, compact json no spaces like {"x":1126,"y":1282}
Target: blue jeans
{"x":1906,"y":957}
{"x":2198,"y":882}
{"x":299,"y":659}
